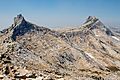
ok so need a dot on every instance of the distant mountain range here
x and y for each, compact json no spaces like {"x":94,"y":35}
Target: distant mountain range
{"x":115,"y":29}
{"x":32,"y":52}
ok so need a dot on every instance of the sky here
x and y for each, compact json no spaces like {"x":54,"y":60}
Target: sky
{"x":59,"y":13}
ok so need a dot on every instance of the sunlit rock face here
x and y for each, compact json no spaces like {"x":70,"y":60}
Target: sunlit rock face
{"x":28,"y":51}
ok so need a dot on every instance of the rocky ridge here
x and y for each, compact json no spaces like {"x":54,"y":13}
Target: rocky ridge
{"x":31,"y":52}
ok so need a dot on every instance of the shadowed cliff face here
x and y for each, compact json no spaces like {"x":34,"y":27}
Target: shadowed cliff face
{"x":89,"y":52}
{"x":21,"y":26}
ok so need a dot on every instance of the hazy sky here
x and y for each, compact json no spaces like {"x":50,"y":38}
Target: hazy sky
{"x":54,"y":13}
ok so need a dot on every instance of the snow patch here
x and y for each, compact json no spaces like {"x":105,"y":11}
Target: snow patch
{"x":88,"y":23}
{"x":116,"y":38}
{"x":96,"y":35}
{"x":89,"y":54}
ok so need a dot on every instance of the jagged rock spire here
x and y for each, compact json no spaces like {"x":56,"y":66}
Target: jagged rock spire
{"x":92,"y":23}
{"x":92,"y":19}
{"x":19,"y":19}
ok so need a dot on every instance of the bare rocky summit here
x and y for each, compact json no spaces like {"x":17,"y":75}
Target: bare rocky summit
{"x":31,"y":52}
